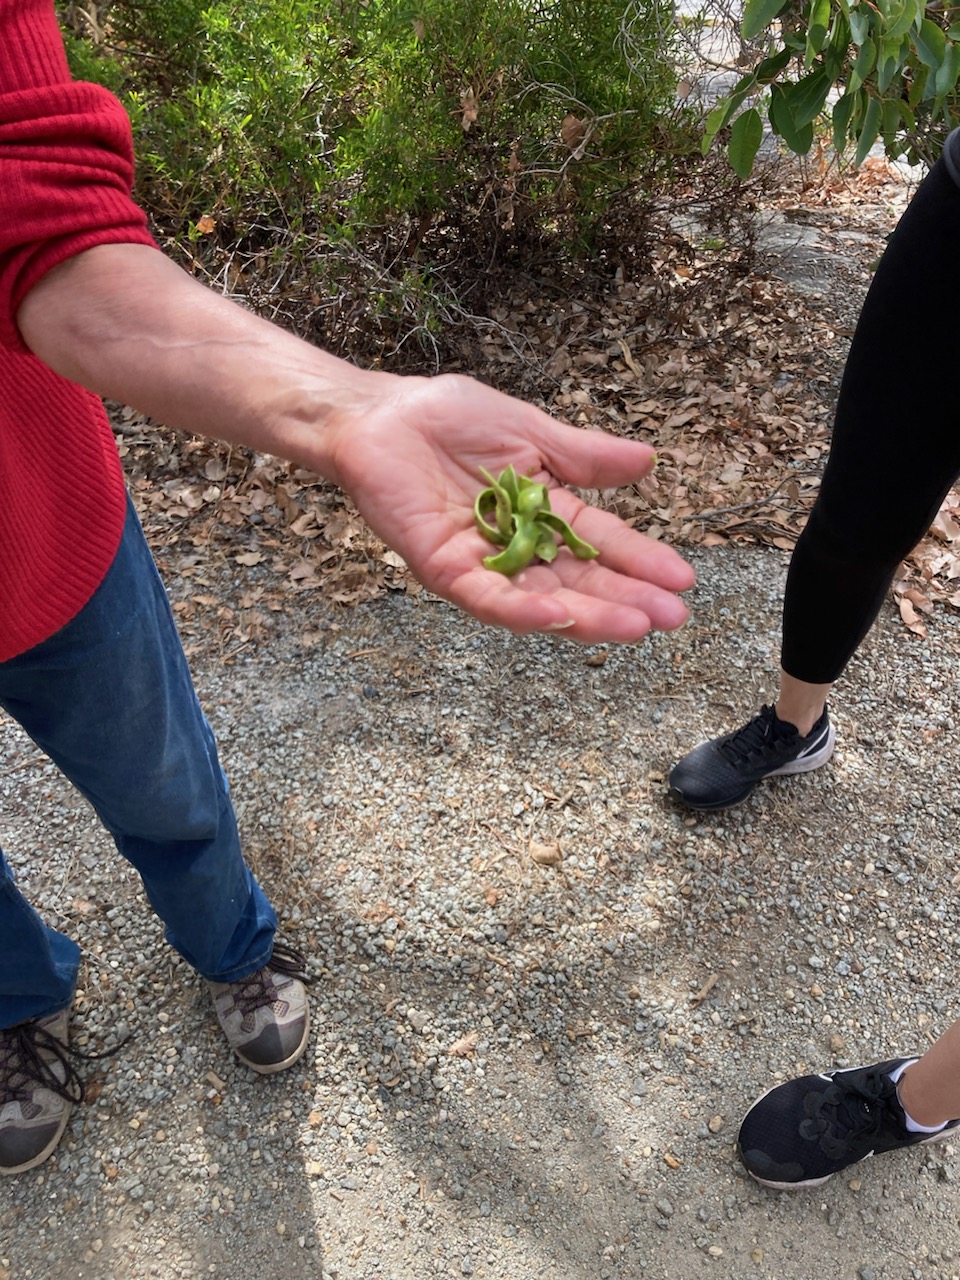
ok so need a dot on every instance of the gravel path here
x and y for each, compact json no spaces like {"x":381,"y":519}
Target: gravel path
{"x":517,"y":1069}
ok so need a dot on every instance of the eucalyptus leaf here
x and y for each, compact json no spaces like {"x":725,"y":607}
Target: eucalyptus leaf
{"x":866,"y":61}
{"x":842,"y":114}
{"x":869,"y":131}
{"x":859,"y":26}
{"x":818,"y":23}
{"x":946,"y":80}
{"x":808,"y":97}
{"x":745,"y":138}
{"x":758,"y":15}
{"x":930,"y":44}
{"x":889,"y":62}
{"x":771,"y":67}
{"x":798,"y":138}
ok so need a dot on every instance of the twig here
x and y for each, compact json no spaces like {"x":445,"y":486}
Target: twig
{"x":754,"y":502}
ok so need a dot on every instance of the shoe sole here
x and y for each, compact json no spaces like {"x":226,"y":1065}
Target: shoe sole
{"x":941,"y":1136}
{"x":804,"y":764}
{"x":271,"y":1068}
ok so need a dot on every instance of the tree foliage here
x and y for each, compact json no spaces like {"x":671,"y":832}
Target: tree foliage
{"x":865,"y":69}
{"x":505,"y":112}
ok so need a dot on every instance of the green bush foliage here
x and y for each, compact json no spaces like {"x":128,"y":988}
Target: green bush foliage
{"x":880,"y":69}
{"x":495,"y":115}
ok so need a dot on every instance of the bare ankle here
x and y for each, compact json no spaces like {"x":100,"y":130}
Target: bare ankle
{"x":802,"y":719}
{"x":915,"y":1105}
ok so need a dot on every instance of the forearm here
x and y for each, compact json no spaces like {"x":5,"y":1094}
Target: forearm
{"x":125,"y":322}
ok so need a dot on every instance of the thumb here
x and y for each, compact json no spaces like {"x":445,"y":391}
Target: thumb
{"x":591,"y":459}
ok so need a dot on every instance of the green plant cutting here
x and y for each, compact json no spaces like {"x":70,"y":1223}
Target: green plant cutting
{"x":514,"y":513}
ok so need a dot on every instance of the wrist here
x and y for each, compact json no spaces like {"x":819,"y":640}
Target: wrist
{"x":316,"y":417}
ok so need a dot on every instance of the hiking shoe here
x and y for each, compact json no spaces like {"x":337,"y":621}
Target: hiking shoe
{"x":803,"y":1132}
{"x":724,"y":771}
{"x":265,"y":1016}
{"x":38,"y":1089}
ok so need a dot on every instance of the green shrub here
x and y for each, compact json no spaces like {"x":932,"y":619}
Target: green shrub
{"x":354,"y":114}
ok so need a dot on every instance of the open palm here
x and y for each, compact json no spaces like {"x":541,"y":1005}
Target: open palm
{"x":413,"y":466}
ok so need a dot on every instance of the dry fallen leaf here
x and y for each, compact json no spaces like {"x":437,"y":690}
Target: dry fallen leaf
{"x":911,"y":618}
{"x":469,"y":108}
{"x":572,"y":131}
{"x":546,"y":855}
{"x":465,"y":1046}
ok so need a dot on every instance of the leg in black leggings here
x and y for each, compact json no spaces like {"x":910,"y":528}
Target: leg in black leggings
{"x":895,"y":454}
{"x":896,"y":442}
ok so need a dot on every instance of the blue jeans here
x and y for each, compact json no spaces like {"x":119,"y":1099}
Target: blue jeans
{"x":110,"y":700}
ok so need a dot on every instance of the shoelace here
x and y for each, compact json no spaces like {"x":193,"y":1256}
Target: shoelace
{"x":256,"y":991}
{"x":846,"y":1113}
{"x":752,"y":738}
{"x":23,"y":1066}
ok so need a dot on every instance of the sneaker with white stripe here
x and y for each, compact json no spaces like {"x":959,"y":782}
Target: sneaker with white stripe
{"x":803,"y":1132}
{"x":724,"y":771}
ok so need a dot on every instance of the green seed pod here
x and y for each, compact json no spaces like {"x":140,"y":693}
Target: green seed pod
{"x":523,"y":523}
{"x":522,"y":549}
{"x":486,"y":504}
{"x":582,"y":550}
{"x":546,"y":544}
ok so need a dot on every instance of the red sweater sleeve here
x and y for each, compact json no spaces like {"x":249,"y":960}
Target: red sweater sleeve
{"x":66,"y":171}
{"x":66,"y":160}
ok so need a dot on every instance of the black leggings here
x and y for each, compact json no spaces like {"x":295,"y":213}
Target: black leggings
{"x":896,"y":440}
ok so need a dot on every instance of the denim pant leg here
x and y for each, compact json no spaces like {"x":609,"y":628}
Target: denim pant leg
{"x":38,"y":966}
{"x":109,"y":698}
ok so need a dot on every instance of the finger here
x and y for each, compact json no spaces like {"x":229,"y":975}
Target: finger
{"x":498,"y":601}
{"x":596,"y":621}
{"x":624,"y":549}
{"x":576,"y":580}
{"x":576,"y":596}
{"x":590,"y":459}
{"x":543,"y":599}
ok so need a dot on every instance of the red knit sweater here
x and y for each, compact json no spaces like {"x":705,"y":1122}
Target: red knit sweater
{"x":66,"y":169}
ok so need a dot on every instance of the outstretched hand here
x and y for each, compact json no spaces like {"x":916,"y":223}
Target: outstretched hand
{"x":412,"y":464}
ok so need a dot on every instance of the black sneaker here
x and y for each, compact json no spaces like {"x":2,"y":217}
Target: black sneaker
{"x":803,"y":1132}
{"x":723,"y":771}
